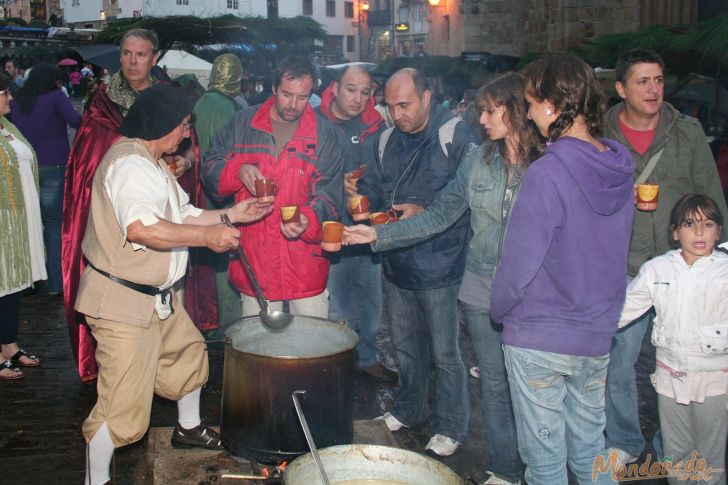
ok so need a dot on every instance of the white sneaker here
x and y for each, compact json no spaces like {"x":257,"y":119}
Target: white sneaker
{"x":442,"y":445}
{"x":392,"y":423}
{"x":494,"y":480}
{"x":475,"y":372}
{"x":623,"y":457}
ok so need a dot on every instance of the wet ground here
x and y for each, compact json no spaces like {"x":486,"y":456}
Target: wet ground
{"x":40,"y":439}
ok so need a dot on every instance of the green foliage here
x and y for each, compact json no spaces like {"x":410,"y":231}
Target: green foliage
{"x":701,"y":48}
{"x":39,"y":24}
{"x":17,"y":21}
{"x":296,"y":31}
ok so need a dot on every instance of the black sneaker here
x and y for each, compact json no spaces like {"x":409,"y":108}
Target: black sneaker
{"x":202,"y":436}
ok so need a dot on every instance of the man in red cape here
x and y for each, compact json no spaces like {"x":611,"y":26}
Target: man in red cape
{"x":98,"y":131}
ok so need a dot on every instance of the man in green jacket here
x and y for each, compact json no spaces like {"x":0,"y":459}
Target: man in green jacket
{"x":215,"y":109}
{"x":650,"y":128}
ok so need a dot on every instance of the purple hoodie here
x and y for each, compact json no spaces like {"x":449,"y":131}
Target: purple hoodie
{"x":562,"y":276}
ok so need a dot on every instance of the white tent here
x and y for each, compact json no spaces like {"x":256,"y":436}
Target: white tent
{"x":177,"y":62}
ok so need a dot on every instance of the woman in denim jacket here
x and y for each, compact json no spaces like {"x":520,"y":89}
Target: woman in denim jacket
{"x":486,"y":183}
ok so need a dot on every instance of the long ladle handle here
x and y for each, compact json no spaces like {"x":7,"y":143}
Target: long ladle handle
{"x":248,"y":269}
{"x":309,"y":438}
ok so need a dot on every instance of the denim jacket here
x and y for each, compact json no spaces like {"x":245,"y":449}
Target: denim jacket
{"x":479,"y":186}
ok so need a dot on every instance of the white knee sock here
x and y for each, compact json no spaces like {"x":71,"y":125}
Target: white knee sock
{"x":188,"y":409}
{"x":99,"y":452}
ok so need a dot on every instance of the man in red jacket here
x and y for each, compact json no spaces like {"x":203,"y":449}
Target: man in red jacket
{"x":285,"y":141}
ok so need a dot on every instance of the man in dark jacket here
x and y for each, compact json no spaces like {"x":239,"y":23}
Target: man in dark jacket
{"x":285,"y":141}
{"x":355,"y":275}
{"x":416,"y":159}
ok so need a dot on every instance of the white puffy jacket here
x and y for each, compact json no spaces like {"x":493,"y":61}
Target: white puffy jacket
{"x":690,"y":329}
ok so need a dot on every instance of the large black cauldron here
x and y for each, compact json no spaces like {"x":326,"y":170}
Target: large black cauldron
{"x":263,"y":368}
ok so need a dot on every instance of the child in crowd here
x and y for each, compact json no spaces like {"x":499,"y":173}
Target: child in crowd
{"x":689,"y":289}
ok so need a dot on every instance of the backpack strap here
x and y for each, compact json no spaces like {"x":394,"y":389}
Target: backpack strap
{"x":445,"y":133}
{"x":383,"y":139}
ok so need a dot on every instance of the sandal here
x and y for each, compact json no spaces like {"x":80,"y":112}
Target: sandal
{"x":8,"y":365}
{"x":15,"y":359}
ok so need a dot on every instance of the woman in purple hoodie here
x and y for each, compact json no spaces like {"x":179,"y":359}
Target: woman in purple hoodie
{"x":560,"y":284}
{"x":42,"y":113}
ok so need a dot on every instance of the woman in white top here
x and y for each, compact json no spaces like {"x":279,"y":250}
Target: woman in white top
{"x":689,"y":289}
{"x":22,"y":257}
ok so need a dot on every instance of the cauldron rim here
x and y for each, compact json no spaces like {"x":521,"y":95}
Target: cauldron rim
{"x":349,"y":338}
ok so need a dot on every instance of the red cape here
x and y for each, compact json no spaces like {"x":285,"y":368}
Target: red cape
{"x":99,"y":130}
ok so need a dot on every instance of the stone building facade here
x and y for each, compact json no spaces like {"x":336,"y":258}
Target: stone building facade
{"x":515,"y":27}
{"x":509,"y":27}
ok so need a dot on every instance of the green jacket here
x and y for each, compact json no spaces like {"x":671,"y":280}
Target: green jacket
{"x":686,"y":166}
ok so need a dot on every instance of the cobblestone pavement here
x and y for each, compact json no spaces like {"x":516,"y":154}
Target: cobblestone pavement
{"x":40,"y":439}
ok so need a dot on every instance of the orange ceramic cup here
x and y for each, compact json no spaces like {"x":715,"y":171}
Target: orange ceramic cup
{"x":359,"y":205}
{"x":332,"y":233}
{"x":376,"y":218}
{"x":647,"y":196}
{"x":290,"y":213}
{"x":265,"y":190}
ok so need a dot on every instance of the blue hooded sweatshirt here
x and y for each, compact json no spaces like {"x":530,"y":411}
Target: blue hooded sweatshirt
{"x":561,"y":280}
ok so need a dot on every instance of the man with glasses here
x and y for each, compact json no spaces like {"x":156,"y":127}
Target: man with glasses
{"x":98,"y":131}
{"x":136,"y":244}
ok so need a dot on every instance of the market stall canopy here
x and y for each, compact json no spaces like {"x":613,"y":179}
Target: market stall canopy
{"x":177,"y":62}
{"x":102,"y":55}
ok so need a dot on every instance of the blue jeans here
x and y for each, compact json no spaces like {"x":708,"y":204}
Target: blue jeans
{"x":355,"y":295}
{"x":558,"y":401}
{"x":623,"y":418}
{"x":424,"y":322}
{"x":500,"y":425}
{"x":51,"y":210}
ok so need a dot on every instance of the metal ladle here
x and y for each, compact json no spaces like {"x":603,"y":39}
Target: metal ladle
{"x":273,"y":320}
{"x":309,"y":438}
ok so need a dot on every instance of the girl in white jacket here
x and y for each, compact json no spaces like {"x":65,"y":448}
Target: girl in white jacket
{"x":689,"y":289}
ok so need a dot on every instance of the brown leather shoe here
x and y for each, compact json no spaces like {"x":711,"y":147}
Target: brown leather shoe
{"x":380,"y":373}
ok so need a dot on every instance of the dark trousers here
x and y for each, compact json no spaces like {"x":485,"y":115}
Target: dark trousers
{"x":10,"y":317}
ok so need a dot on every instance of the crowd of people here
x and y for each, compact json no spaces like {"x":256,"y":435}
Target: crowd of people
{"x":516,"y":207}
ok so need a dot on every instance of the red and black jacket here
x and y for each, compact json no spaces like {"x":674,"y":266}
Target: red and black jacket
{"x":309,"y":173}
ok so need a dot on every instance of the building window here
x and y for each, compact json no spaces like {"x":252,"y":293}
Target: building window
{"x":272,"y":9}
{"x":307,"y":7}
{"x":330,"y":8}
{"x":349,"y":10}
{"x":232,"y":4}
{"x":350,"y":43}
{"x":183,"y":2}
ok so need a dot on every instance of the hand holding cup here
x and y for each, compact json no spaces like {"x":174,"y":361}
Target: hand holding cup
{"x":293,"y":230}
{"x":359,"y":234}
